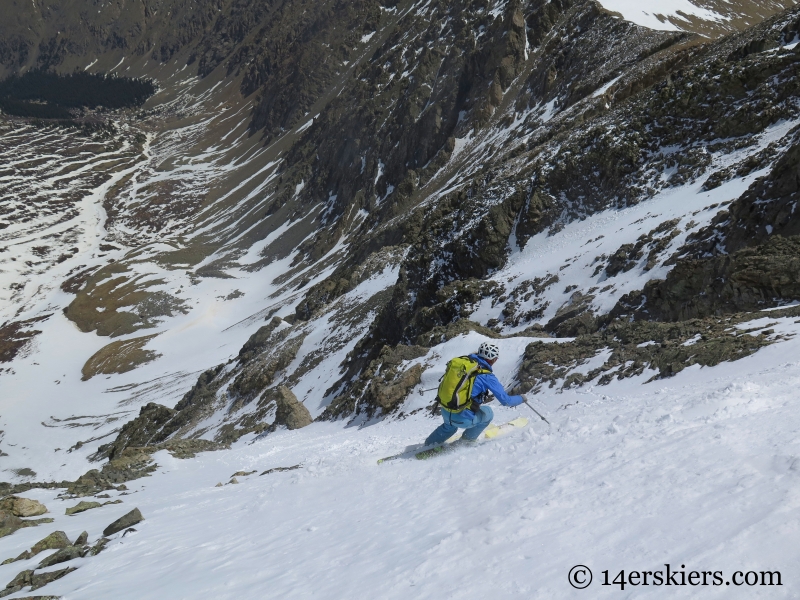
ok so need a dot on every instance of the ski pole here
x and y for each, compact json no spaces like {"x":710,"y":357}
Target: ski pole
{"x":537,"y":412}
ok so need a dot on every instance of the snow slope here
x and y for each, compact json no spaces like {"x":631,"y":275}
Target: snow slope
{"x":701,"y":470}
{"x":573,"y":254}
{"x":653,"y":14}
{"x":709,"y":18}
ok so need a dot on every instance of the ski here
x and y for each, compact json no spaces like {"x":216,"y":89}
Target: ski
{"x":437,"y":450}
{"x":421,"y":453}
{"x":493,"y":431}
{"x":407,"y":453}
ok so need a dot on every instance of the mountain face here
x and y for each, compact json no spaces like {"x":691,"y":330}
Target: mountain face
{"x":320,"y":194}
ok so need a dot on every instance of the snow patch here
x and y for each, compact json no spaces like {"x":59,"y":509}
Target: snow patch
{"x":654,"y":13}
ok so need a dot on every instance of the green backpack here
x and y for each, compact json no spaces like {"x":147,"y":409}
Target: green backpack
{"x":455,"y":390}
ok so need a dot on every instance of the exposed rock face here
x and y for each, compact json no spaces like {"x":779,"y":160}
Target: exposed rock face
{"x":259,"y":341}
{"x":112,"y":304}
{"x":55,"y":541}
{"x":98,"y":547}
{"x":749,"y":279}
{"x":654,"y":243}
{"x":390,"y":396}
{"x":747,"y":259}
{"x":281,"y":469}
{"x":10,"y":523}
{"x":128,"y":520}
{"x":141,"y":431}
{"x":15,"y":337}
{"x":441,"y":334}
{"x":573,"y":317}
{"x":259,"y":371}
{"x":663,"y":349}
{"x":132,"y":463}
{"x":383,"y":385}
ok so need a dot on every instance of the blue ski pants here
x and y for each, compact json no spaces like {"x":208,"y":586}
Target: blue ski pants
{"x":473,"y":422}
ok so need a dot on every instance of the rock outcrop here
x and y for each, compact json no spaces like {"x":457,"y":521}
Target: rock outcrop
{"x":55,"y":541}
{"x":34,"y":580}
{"x":82,"y":506}
{"x":9,"y":523}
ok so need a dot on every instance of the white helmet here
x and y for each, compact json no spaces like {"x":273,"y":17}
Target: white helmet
{"x":488,"y":351}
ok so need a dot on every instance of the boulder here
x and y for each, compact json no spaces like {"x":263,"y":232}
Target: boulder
{"x":98,"y":547}
{"x":83,"y":539}
{"x":20,"y":581}
{"x":42,"y":579}
{"x":281,"y":469}
{"x":9,"y":523}
{"x":63,"y":555}
{"x":81,"y":507}
{"x":290,"y":411}
{"x":35,"y":580}
{"x":55,"y":541}
{"x":125,"y":521}
{"x":23,"y":507}
{"x":35,"y":522}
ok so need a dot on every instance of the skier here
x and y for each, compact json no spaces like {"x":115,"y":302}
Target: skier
{"x":464,"y":390}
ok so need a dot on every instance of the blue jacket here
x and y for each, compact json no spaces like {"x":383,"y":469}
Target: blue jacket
{"x":489,"y":382}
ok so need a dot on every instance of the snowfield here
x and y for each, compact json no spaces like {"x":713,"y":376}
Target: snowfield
{"x":701,"y":470}
{"x":653,"y":14}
